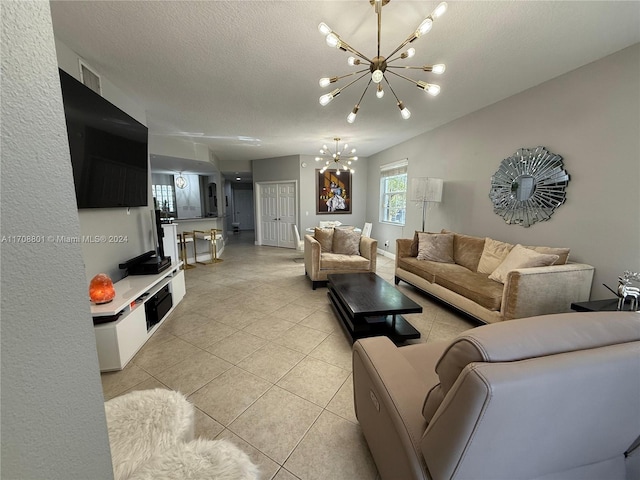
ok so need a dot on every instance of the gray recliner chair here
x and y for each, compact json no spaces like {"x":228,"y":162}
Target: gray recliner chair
{"x":549,"y":397}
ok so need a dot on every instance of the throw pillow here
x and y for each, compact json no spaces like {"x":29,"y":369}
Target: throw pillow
{"x":521,"y":257}
{"x":346,"y":242}
{"x":563,"y":253}
{"x":493,"y":254}
{"x":437,"y":247}
{"x":325,"y":237}
{"x":467,"y":250}
{"x":414,"y":243}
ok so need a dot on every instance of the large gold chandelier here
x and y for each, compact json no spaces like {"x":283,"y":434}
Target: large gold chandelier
{"x":379,"y":65}
{"x":338,"y":158}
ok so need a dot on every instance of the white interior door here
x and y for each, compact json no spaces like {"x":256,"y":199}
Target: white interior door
{"x":286,"y":214}
{"x":269,"y":214}
{"x":277,"y":214}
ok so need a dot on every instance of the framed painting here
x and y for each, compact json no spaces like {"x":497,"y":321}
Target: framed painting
{"x":333,"y":192}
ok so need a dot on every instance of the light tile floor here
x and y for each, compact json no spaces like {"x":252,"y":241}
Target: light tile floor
{"x":266,"y":363}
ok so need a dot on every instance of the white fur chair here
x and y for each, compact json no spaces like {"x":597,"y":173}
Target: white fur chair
{"x":151,"y":437}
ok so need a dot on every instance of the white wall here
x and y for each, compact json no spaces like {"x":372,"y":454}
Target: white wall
{"x":591,"y":117}
{"x":53,"y":423}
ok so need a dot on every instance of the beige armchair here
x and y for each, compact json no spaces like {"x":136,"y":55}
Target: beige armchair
{"x":548,"y":397}
{"x":318,"y":263}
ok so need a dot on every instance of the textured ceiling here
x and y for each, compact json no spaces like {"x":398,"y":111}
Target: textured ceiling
{"x":242,"y":76}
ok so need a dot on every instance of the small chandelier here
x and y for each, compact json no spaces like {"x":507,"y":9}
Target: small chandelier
{"x":340,"y":159}
{"x":379,"y":66}
{"x":181,"y":182}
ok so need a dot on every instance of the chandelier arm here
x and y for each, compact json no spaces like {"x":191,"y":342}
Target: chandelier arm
{"x":379,"y":26}
{"x":365,"y":91}
{"x":352,"y":82}
{"x":390,"y":88}
{"x":349,"y":48}
{"x":408,"y":66}
{"x":351,"y":74}
{"x":408,"y":40}
{"x":402,"y":76}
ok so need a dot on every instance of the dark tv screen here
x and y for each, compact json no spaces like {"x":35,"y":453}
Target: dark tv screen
{"x":108,"y":149}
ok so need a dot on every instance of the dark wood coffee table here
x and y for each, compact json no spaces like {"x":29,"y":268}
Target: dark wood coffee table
{"x":368,"y":306}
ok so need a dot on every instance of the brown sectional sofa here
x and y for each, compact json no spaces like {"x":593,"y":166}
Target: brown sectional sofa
{"x":526,"y":292}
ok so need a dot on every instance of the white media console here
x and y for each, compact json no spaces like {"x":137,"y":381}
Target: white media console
{"x":119,"y":340}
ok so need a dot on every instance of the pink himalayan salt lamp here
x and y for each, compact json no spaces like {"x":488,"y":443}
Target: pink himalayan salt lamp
{"x":101,"y":289}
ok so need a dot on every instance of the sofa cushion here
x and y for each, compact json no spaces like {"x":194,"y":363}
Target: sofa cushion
{"x":437,"y":247}
{"x":563,"y":253}
{"x":414,"y":243}
{"x":337,"y":261}
{"x":521,"y":257}
{"x":493,"y":253}
{"x":474,"y":286}
{"x":324,"y":236}
{"x":467,"y":250}
{"x":346,"y":242}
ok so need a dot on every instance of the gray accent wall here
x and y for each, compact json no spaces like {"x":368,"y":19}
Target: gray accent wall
{"x":590,"y":116}
{"x":52,"y":419}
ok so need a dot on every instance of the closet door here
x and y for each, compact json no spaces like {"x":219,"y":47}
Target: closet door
{"x":269,"y":214}
{"x":286,"y":214}
{"x":277,"y":214}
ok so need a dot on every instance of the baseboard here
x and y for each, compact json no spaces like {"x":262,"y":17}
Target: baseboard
{"x":384,"y":253}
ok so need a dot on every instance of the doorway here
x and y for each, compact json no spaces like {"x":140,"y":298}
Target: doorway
{"x":277,"y":213}
{"x":243,"y":207}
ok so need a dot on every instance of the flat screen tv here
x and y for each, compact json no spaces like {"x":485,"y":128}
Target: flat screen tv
{"x":108,"y":149}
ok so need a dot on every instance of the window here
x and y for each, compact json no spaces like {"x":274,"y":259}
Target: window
{"x":393,"y":193}
{"x":164,"y":197}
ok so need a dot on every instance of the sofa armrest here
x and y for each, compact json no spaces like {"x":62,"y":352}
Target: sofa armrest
{"x":311,"y":256}
{"x":369,"y":250}
{"x":542,"y":290}
{"x":388,"y":396}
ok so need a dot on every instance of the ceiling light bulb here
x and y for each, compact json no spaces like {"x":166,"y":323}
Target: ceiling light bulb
{"x":325,"y":82}
{"x":334,"y":155}
{"x":353,"y":150}
{"x":333,"y":40}
{"x":318,"y":159}
{"x":324,"y":147}
{"x":379,"y":91}
{"x":325,"y":99}
{"x":439,"y":68}
{"x":411,"y":52}
{"x":353,"y":170}
{"x":338,"y":172}
{"x":326,"y":163}
{"x":346,"y":145}
{"x":440,"y":9}
{"x":324,"y":29}
{"x":348,"y":162}
{"x":238,"y":178}
{"x":377,"y":76}
{"x":433,"y":89}
{"x":423,"y":28}
{"x":404,"y":111}
{"x":352,"y":116}
{"x":353,"y":61}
